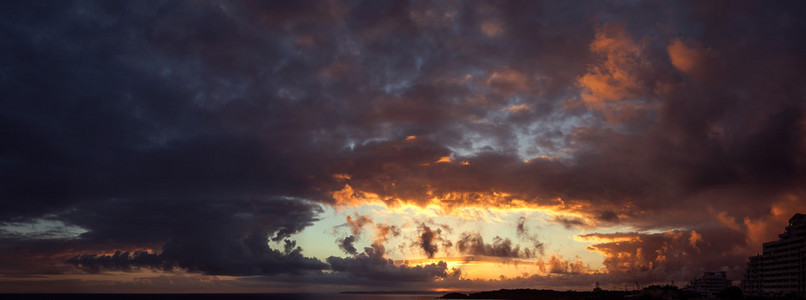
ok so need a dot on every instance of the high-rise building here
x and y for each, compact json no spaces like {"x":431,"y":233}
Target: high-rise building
{"x":781,"y":269}
{"x":751,"y":283}
{"x":709,"y":284}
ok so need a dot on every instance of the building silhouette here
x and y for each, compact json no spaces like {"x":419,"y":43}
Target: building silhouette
{"x":751,"y":283}
{"x":781,"y":268}
{"x":709,"y":284}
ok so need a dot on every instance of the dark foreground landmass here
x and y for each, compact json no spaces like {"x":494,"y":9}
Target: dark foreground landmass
{"x":648,"y":293}
{"x":540,"y":294}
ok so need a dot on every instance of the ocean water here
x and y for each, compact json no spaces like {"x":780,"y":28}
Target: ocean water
{"x":356,"y":296}
{"x":278,"y":296}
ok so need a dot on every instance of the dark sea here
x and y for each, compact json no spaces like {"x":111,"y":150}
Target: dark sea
{"x":283,"y":296}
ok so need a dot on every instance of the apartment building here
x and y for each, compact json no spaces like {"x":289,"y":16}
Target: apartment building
{"x":781,"y":269}
{"x":709,"y":284}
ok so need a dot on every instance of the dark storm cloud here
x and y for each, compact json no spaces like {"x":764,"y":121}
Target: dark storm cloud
{"x":210,"y":237}
{"x":472,"y":243}
{"x":671,"y":255}
{"x":427,"y":240}
{"x":119,"y":261}
{"x":153,"y":124}
{"x":346,"y":244}
{"x":374,"y":264}
{"x":682,"y":132}
{"x":146,"y":105}
{"x":356,"y":224}
{"x":261,"y":261}
{"x":138,"y":127}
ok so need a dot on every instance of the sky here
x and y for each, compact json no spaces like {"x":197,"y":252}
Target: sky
{"x":324,"y":146}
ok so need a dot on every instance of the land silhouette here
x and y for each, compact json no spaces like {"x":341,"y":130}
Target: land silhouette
{"x":667,"y":292}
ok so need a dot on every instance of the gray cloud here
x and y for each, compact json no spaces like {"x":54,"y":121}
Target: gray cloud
{"x":570,"y":221}
{"x":471,"y":243}
{"x":119,"y":261}
{"x":522,"y":232}
{"x":346,"y":244}
{"x":262,"y":261}
{"x":427,"y":240}
{"x":374,"y":264}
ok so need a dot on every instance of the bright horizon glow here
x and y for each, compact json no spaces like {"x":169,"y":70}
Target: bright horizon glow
{"x":319,"y":240}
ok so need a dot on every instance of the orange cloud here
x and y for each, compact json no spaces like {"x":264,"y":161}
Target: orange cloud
{"x":694,"y":238}
{"x":358,"y":223}
{"x":615,"y":78}
{"x":767,"y":227}
{"x":444,"y":159}
{"x":727,"y":220}
{"x":688,"y":57}
{"x":610,"y":85}
{"x":350,"y":197}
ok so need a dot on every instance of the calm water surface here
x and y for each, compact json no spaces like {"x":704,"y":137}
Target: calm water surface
{"x":294,"y":296}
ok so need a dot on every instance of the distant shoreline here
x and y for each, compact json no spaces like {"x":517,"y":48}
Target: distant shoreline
{"x":656,"y":292}
{"x":393,"y":292}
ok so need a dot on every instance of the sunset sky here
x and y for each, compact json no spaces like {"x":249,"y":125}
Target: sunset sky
{"x":324,"y":146}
